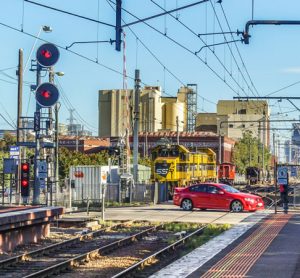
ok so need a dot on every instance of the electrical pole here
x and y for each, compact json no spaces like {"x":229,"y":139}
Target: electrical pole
{"x":263,"y":153}
{"x":275,"y":171}
{"x":177,"y":129}
{"x":36,"y":187}
{"x":56,"y":164}
{"x":136,"y":125}
{"x":51,"y":80}
{"x":20,"y":95}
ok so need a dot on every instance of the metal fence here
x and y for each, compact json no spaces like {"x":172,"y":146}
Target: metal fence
{"x":92,"y":193}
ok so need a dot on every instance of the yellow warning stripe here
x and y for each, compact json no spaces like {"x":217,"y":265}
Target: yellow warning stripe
{"x":239,"y":260}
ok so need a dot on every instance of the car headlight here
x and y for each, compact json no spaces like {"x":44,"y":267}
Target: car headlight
{"x":250,"y":200}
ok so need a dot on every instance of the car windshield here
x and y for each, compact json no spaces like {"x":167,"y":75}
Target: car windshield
{"x":229,"y":188}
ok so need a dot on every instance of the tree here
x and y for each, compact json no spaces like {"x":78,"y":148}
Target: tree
{"x":7,"y":141}
{"x":248,"y":152}
{"x":69,"y":158}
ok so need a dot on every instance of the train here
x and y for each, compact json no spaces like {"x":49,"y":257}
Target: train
{"x":226,"y":173}
{"x":253,"y":175}
{"x":176,"y":166}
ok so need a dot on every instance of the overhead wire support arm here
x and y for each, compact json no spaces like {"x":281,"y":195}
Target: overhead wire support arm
{"x":237,"y":32}
{"x":164,"y":13}
{"x":266,"y":22}
{"x":293,"y":104}
{"x":280,"y":98}
{"x":110,"y":41}
{"x":220,"y":43}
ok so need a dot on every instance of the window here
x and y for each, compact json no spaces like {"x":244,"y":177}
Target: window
{"x":212,"y":189}
{"x":242,"y":111}
{"x":231,"y":126}
{"x":198,"y":188}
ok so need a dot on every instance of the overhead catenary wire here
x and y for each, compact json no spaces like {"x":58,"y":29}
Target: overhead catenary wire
{"x":11,"y":125}
{"x":70,"y":105}
{"x":283,"y":88}
{"x":68,"y":50}
{"x":229,"y":47}
{"x":207,"y":46}
{"x":165,"y":68}
{"x":69,"y":13}
{"x":185,"y":48}
{"x":238,"y":51}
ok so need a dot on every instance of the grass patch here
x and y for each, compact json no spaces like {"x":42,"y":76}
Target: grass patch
{"x":211,"y":231}
{"x":180,"y":226}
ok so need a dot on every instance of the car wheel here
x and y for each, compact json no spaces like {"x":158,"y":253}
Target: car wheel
{"x":236,"y":206}
{"x":187,"y":204}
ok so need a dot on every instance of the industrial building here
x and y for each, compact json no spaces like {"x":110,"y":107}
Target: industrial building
{"x":156,"y":112}
{"x":234,"y":117}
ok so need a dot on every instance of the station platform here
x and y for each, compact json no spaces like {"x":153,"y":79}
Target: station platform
{"x":20,"y":225}
{"x":268,"y":248}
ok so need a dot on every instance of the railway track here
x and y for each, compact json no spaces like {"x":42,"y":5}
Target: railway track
{"x":102,"y":253}
{"x":62,"y":256}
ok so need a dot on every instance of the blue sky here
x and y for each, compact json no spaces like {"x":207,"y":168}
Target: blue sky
{"x":272,"y":57}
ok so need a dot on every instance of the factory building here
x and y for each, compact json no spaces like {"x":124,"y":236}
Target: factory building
{"x":156,"y":112}
{"x":234,"y":117}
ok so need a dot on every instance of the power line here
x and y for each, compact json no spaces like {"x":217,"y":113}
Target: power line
{"x":68,"y":50}
{"x":281,"y":89}
{"x":243,"y":63}
{"x":13,"y":126}
{"x":69,"y":13}
{"x":187,"y":49}
{"x":69,"y":104}
{"x":157,"y":59}
{"x":206,"y":45}
{"x":220,"y":25}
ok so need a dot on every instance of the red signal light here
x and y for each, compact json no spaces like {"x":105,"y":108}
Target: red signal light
{"x":25,"y":167}
{"x":24,"y":183}
{"x":46,"y":53}
{"x":46,"y":94}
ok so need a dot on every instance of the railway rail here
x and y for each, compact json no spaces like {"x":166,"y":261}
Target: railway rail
{"x":61,"y":256}
{"x":64,"y":256}
{"x":143,"y":267}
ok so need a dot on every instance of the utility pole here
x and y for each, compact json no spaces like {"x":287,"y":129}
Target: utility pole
{"x":20,"y":96}
{"x":56,"y":164}
{"x":36,"y":188}
{"x":177,"y":129}
{"x":136,"y":125}
{"x":20,"y":93}
{"x":51,"y":80}
{"x":263,"y":152}
{"x":275,"y":171}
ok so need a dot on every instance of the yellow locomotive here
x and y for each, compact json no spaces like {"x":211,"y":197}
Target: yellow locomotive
{"x":177,"y":166}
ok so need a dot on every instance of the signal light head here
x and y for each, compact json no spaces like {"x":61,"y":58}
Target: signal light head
{"x":46,"y":94}
{"x":24,"y":183}
{"x":47,"y":55}
{"x":25,"y":167}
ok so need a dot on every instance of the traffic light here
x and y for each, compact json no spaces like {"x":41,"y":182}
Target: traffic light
{"x":46,"y":94}
{"x":25,"y":177}
{"x":47,"y":55}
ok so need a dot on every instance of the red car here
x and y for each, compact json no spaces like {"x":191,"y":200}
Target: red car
{"x":216,"y":196}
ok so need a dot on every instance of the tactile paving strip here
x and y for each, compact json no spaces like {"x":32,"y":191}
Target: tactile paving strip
{"x":239,"y":261}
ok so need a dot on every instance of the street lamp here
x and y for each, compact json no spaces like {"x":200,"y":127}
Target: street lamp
{"x":47,"y":29}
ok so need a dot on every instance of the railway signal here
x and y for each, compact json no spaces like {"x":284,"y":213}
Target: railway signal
{"x":46,"y":94}
{"x":47,"y":55}
{"x":25,"y":177}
